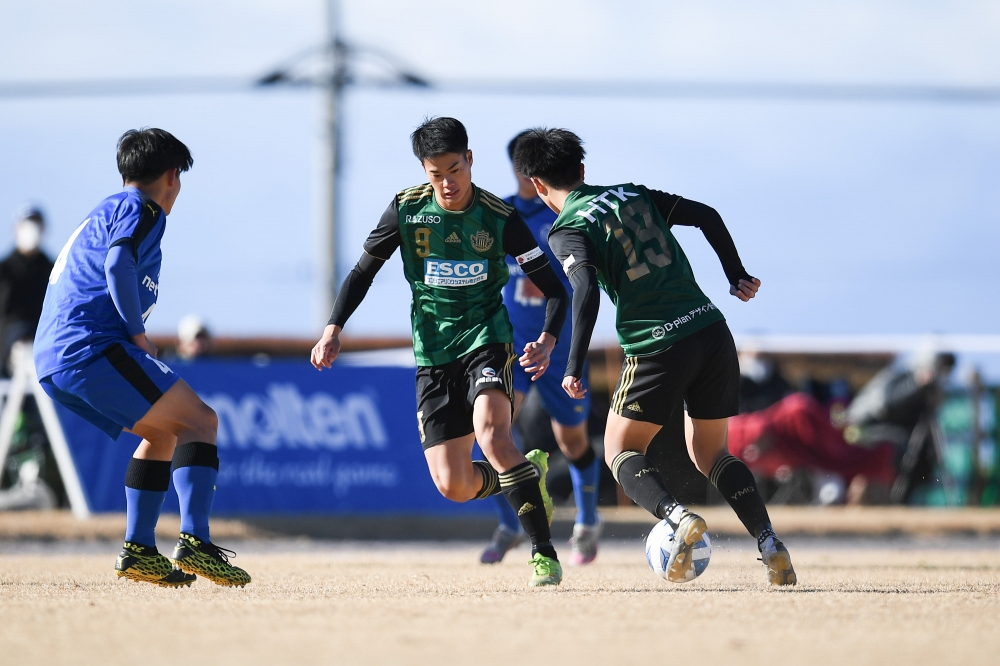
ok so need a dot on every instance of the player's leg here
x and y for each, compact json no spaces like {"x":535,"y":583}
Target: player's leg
{"x":508,"y":533}
{"x":522,"y":480}
{"x":569,"y":425}
{"x":444,"y":421}
{"x":585,"y":474}
{"x":113,"y":391}
{"x":712,"y":397}
{"x":195,"y":467}
{"x":456,"y":476}
{"x":648,"y":390}
{"x":625,"y":444}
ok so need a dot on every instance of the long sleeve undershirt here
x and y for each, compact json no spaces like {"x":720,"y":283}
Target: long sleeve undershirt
{"x":687,"y":213}
{"x":586,"y":305}
{"x":119,"y":268}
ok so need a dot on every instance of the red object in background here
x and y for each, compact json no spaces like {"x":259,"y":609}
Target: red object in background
{"x":796,"y":433}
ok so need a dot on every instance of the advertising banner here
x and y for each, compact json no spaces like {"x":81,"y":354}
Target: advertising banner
{"x":291,"y":440}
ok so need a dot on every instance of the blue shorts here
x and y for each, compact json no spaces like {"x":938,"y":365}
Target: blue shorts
{"x":113,"y":390}
{"x":565,"y":410}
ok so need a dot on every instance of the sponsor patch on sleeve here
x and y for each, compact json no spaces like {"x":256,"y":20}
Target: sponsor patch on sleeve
{"x":570,"y":260}
{"x":533,"y":253}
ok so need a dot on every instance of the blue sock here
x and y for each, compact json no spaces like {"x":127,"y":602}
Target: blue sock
{"x":146,"y":483}
{"x":586,"y":475}
{"x":196,"y":466}
{"x":506,"y":514}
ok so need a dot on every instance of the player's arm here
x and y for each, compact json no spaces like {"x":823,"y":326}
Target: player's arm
{"x":579,"y":260}
{"x":131,"y":225}
{"x":520,"y":243}
{"x":381,"y":243}
{"x":677,"y":210}
{"x":123,"y":284}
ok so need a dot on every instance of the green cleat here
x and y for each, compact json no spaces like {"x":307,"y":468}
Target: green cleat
{"x":540,"y":460}
{"x":547,"y":571}
{"x":205,"y":559}
{"x":145,"y":564}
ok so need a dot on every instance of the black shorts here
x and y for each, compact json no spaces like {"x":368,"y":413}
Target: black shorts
{"x":701,"y":368}
{"x":446,"y":393}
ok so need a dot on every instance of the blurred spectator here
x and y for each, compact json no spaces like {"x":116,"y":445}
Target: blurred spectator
{"x":24,"y":275}
{"x":795,"y":445}
{"x":899,"y":405}
{"x":761,"y":382}
{"x":193,"y":337}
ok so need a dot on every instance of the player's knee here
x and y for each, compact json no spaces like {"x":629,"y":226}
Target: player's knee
{"x":206,"y":420}
{"x":451,"y":488}
{"x":495,"y":439}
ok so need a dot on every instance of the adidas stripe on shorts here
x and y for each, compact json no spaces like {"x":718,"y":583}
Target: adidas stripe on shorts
{"x":701,"y":368}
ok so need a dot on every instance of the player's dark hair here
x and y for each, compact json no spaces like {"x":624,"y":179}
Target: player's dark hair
{"x":553,"y":156}
{"x":513,"y":144}
{"x":147,"y":153}
{"x":437,"y":136}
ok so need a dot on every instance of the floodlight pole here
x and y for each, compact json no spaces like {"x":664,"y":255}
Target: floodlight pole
{"x":334,"y":88}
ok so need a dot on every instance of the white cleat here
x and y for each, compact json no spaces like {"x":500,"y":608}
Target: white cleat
{"x":690,"y":527}
{"x":584,"y":543}
{"x":776,"y":559}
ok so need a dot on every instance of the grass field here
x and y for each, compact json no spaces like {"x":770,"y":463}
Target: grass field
{"x":860,"y":601}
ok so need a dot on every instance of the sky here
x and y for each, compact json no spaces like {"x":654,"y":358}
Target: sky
{"x":859,"y":217}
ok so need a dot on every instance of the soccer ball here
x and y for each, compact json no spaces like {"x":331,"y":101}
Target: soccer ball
{"x":660,"y":543}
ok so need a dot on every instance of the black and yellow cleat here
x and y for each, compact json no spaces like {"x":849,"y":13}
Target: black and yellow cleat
{"x":194,"y":556}
{"x":143,"y":563}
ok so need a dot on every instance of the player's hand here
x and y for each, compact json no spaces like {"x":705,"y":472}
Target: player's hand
{"x":746,"y":289}
{"x":574,"y":388}
{"x":326,"y":350}
{"x":143,"y":343}
{"x":536,"y":355}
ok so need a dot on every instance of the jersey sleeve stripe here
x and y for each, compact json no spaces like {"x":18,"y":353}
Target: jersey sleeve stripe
{"x":495,"y":203}
{"x":412,"y":194}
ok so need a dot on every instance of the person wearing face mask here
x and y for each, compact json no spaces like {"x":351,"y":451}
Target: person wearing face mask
{"x":24,"y":274}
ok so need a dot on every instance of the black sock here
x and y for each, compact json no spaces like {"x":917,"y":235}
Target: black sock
{"x":491,"y":480}
{"x":736,"y":483}
{"x":520,"y":487}
{"x":586,"y":460}
{"x":644,"y":485}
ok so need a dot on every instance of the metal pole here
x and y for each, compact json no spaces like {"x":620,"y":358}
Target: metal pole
{"x":336,"y":54}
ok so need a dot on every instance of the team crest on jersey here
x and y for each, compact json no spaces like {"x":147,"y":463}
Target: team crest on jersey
{"x":481,"y":241}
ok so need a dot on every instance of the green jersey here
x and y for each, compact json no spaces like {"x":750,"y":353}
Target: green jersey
{"x":639,"y":264}
{"x":454,"y":262}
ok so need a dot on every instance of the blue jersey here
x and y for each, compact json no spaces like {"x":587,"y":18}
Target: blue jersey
{"x":79,"y":318}
{"x":525,"y":302}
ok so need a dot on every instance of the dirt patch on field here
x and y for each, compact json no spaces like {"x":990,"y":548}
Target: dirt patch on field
{"x":427,"y":604}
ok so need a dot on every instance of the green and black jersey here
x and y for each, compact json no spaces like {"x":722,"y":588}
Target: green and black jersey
{"x":623,"y":232}
{"x":454,"y":262}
